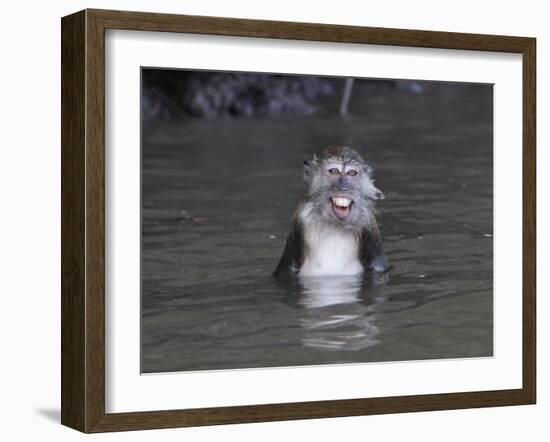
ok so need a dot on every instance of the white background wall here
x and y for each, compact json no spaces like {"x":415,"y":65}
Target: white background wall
{"x":30,"y":216}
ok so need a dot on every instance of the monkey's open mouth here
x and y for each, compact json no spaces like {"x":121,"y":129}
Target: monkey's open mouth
{"x":341,"y":206}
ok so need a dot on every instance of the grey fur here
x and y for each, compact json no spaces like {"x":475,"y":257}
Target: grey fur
{"x":316,"y":209}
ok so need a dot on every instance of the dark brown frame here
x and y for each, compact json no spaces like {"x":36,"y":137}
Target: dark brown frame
{"x":83,"y":216}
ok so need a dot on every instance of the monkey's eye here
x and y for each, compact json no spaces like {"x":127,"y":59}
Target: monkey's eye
{"x":352,"y":172}
{"x":334,"y":171}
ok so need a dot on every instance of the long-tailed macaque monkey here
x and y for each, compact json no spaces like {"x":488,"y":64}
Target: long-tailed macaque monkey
{"x":334,"y":230}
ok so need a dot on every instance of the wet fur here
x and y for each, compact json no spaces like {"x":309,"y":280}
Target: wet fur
{"x":318,"y":243}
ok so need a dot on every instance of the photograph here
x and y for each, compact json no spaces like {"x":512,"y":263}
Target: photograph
{"x":302,"y":220}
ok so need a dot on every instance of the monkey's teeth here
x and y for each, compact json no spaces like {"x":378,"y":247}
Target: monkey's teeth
{"x":341,"y":202}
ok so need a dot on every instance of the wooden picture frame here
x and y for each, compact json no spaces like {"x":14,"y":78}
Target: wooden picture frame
{"x":83,"y":220}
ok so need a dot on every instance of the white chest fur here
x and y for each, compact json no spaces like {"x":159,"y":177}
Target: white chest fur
{"x":330,"y":251}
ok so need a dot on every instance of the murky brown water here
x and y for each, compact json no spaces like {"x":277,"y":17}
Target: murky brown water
{"x":217,"y":197}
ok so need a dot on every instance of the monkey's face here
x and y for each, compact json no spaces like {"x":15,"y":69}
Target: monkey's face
{"x":342,"y":191}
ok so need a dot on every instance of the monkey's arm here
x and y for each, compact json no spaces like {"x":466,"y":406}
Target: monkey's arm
{"x":293,"y":254}
{"x":372,"y":251}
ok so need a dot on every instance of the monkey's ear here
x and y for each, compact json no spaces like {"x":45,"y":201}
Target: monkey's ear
{"x":378,"y":194}
{"x":310,"y":164}
{"x":307,"y":171}
{"x":370,"y":171}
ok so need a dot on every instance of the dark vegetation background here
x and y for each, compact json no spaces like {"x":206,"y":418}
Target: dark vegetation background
{"x":178,"y":94}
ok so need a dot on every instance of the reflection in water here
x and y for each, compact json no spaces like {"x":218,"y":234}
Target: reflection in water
{"x":217,"y":197}
{"x":318,"y":292}
{"x":338,"y":313}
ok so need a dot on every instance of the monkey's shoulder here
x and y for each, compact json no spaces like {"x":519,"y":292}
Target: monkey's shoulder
{"x":371,"y":252}
{"x":293,"y":254}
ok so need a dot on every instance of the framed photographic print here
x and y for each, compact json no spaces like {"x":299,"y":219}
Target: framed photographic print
{"x":269,"y":220}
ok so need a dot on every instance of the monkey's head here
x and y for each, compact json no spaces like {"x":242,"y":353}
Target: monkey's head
{"x":340,"y":188}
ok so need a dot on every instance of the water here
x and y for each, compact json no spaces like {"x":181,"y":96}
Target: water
{"x":217,"y":198}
